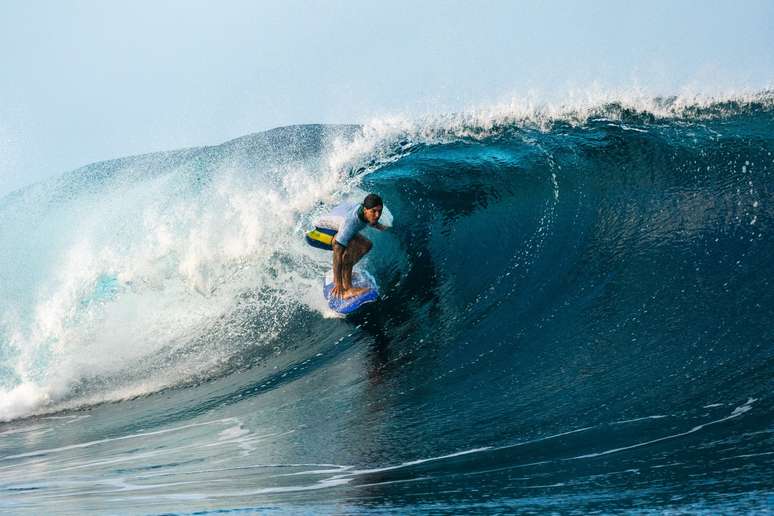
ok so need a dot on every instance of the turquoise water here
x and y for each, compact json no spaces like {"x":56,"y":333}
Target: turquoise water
{"x":575,"y":317}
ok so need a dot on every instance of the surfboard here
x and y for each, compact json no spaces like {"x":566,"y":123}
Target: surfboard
{"x":321,"y":238}
{"x":360,"y":279}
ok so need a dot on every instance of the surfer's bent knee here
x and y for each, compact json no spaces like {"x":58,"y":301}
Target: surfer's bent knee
{"x":355,"y":249}
{"x":362,"y":245}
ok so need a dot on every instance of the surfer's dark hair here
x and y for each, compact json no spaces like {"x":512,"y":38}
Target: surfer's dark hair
{"x":372,"y":201}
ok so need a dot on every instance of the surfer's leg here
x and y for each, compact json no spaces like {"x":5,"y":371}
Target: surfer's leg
{"x":346,"y":276}
{"x":357,"y":248}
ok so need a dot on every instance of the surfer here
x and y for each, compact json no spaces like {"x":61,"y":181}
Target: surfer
{"x":349,"y":246}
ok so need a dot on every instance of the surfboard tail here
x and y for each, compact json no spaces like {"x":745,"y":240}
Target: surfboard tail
{"x":360,"y":279}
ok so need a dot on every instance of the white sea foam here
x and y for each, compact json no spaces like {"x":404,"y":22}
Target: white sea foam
{"x":137,"y":269}
{"x":20,"y":400}
{"x":738,"y":411}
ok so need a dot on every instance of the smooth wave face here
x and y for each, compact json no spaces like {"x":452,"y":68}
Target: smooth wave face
{"x":575,"y":316}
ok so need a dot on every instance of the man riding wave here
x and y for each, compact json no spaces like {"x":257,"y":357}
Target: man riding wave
{"x":349,"y":246}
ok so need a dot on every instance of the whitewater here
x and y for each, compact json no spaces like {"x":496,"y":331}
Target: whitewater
{"x":575,"y":316}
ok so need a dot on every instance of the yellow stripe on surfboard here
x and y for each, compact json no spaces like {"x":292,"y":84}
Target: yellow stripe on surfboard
{"x":321,"y":237}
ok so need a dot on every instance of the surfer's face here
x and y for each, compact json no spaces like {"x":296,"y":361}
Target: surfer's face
{"x":372,"y":214}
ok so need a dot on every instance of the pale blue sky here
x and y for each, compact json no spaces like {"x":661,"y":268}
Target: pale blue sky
{"x":82,"y":81}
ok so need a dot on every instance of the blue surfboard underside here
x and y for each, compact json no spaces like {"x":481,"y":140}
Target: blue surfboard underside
{"x":360,"y":279}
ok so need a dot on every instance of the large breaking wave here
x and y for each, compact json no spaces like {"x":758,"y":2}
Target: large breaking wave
{"x":586,"y":271}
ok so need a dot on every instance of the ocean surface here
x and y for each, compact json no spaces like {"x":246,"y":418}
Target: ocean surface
{"x":576,"y":316}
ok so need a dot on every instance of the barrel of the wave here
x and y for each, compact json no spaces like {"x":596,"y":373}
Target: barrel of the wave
{"x":322,"y":236}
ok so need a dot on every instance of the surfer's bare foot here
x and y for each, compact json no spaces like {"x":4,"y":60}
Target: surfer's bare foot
{"x":353,"y":292}
{"x":346,"y":293}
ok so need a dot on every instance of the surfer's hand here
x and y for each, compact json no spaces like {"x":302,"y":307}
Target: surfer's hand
{"x":337,"y":292}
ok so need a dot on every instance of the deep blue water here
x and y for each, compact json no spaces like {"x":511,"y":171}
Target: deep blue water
{"x":576,"y":317}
